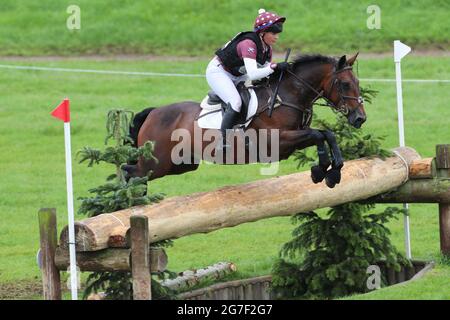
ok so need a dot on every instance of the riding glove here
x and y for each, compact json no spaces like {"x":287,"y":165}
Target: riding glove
{"x":282,"y":66}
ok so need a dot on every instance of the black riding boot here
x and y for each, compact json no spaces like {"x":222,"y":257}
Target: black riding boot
{"x":228,"y":121}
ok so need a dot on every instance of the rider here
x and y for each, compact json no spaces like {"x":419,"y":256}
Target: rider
{"x":247,"y":56}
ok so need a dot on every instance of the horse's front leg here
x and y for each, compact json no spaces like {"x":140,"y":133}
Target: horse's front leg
{"x":318,"y":172}
{"x":333,"y":176}
{"x":301,"y":139}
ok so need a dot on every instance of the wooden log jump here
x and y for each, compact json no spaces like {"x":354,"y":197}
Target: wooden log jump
{"x":431,"y":184}
{"x":230,"y":206}
{"x":105,"y":243}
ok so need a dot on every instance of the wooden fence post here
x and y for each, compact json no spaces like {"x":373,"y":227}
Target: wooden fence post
{"x":443,"y":171}
{"x":48,"y":241}
{"x":140,"y":258}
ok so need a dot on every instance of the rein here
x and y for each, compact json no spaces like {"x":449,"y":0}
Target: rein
{"x":307,"y":111}
{"x":342,"y":106}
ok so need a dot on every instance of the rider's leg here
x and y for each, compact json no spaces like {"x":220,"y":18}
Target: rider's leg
{"x":229,"y":119}
{"x":222,"y":83}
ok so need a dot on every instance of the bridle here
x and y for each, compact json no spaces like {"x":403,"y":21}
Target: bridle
{"x":342,"y":106}
{"x":324,"y":94}
{"x":307,"y":110}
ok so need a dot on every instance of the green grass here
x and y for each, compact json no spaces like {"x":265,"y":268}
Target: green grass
{"x":32,"y":159}
{"x":434,"y":286}
{"x":198,"y":27}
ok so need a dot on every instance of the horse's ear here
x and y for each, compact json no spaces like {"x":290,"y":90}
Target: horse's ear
{"x":342,"y":62}
{"x":352,"y":60}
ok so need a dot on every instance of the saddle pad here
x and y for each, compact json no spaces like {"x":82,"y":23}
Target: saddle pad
{"x":206,"y":106}
{"x":213,"y":119}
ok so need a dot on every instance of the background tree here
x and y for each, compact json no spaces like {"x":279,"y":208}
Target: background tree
{"x":117,"y":194}
{"x":329,"y":254}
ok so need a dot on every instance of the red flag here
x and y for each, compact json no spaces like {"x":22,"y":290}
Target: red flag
{"x":62,"y":111}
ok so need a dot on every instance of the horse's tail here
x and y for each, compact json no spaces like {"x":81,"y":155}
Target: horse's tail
{"x":135,"y":126}
{"x":138,"y":121}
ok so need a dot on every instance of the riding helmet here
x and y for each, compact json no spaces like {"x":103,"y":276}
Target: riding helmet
{"x":268,"y":22}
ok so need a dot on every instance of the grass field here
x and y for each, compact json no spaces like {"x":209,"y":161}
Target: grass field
{"x":32,"y":161}
{"x":198,"y":27}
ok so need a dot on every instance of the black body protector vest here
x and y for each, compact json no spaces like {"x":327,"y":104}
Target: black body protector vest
{"x":230,"y":59}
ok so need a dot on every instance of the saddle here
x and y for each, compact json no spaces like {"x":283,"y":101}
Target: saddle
{"x":213,"y":108}
{"x":214,"y":99}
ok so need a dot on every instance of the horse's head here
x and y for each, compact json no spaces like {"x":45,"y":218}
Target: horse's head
{"x":341,"y":88}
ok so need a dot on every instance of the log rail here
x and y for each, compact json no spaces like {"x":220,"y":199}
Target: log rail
{"x":104,"y":242}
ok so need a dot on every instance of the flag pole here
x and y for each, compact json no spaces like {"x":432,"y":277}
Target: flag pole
{"x":72,"y":251}
{"x":62,"y":112}
{"x":400,"y":51}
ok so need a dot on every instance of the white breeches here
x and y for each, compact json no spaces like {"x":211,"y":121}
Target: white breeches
{"x":224,"y":83}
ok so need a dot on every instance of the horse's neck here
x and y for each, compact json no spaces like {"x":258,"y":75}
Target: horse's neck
{"x":305,"y":93}
{"x":293,"y":91}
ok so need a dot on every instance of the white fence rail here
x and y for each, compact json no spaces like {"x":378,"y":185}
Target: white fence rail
{"x":186,"y":75}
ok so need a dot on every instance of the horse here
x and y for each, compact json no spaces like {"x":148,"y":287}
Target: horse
{"x":308,"y":78}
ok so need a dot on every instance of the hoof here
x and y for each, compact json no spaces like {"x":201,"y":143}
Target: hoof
{"x":317,"y":174}
{"x":330,"y":184}
{"x":333,"y":177}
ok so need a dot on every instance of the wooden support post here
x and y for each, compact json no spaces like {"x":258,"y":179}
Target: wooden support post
{"x":443,"y":160}
{"x":48,"y":241}
{"x":444,"y":226}
{"x":140,"y":258}
{"x":443,"y":171}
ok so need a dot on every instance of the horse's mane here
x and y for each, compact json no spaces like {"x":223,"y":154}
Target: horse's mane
{"x":305,"y":59}
{"x":312,"y":58}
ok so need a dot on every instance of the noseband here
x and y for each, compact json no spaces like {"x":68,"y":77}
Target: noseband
{"x":342,"y":105}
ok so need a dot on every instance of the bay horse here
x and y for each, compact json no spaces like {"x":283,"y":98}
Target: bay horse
{"x":308,"y":78}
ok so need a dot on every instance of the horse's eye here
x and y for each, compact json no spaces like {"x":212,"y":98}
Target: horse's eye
{"x":345,"y":86}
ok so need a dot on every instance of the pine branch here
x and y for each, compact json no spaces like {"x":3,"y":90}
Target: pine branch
{"x":116,"y":194}
{"x":328,"y":256}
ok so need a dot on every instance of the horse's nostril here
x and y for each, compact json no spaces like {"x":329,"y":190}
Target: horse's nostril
{"x":359,"y":121}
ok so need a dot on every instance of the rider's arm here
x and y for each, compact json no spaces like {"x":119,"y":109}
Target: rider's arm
{"x":255,"y":73}
{"x":246,"y":50}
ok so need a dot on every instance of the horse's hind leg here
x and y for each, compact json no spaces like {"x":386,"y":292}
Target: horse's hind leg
{"x":182,"y":168}
{"x":155,"y":169}
{"x":164,"y":166}
{"x":141,"y":168}
{"x":150,"y":167}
